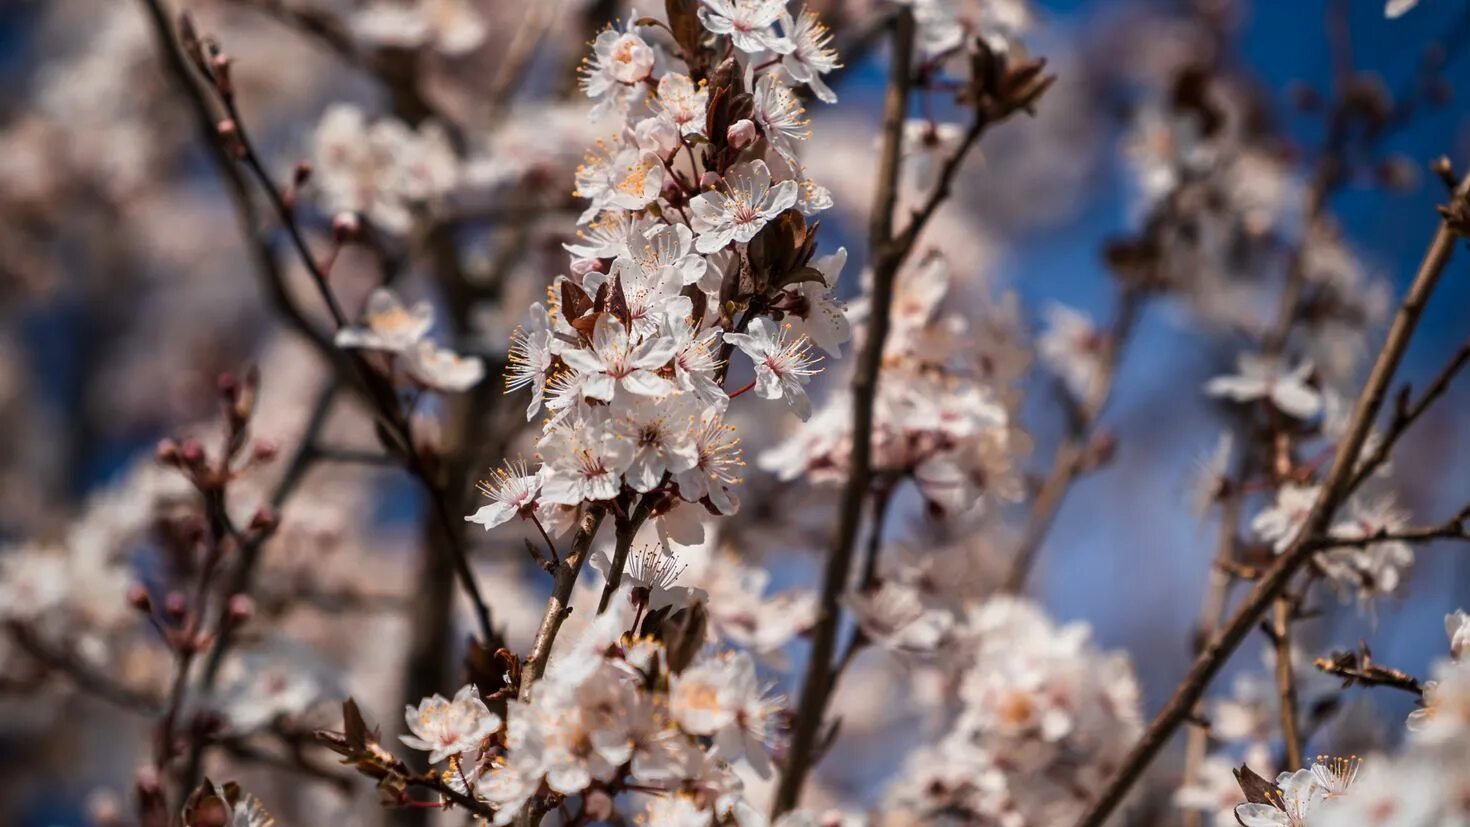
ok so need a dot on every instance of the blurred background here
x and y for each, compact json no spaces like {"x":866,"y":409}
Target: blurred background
{"x":125,"y":289}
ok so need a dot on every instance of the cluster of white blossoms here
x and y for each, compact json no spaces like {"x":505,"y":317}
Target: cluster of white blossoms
{"x":1043,"y":716}
{"x":1364,"y":568}
{"x":694,"y":245}
{"x":451,"y":27}
{"x":627,"y":707}
{"x":380,"y":169}
{"x":945,"y":410}
{"x":399,"y":334}
{"x":1423,"y":785}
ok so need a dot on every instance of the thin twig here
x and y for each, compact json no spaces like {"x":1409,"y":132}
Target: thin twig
{"x":1406,"y":413}
{"x":1068,"y":463}
{"x":888,"y":255}
{"x":558,"y":605}
{"x":1334,"y":490}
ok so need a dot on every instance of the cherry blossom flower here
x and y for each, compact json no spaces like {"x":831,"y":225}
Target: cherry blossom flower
{"x":441,"y":368}
{"x":1072,"y":348}
{"x":620,"y":62}
{"x":811,"y":55}
{"x":660,"y":432}
{"x":382,"y":170}
{"x":782,"y":365}
{"x":583,"y":461}
{"x":388,"y":325}
{"x":814,"y":313}
{"x":512,"y":491}
{"x":1263,"y":378}
{"x":277,"y":679}
{"x":895,"y":617}
{"x":652,"y":574}
{"x":1280,"y":524}
{"x":740,"y":207}
{"x":614,"y":360}
{"x":696,"y":357}
{"x":1300,"y":794}
{"x":1398,"y":8}
{"x":717,"y":468}
{"x":613,"y":175}
{"x":683,"y":102}
{"x":748,"y":23}
{"x":781,"y":116}
{"x":722,"y":697}
{"x":1457,"y":626}
{"x":444,"y":728}
{"x":529,"y":359}
{"x":452,"y":27}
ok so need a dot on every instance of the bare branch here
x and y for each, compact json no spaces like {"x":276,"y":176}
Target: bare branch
{"x":1334,"y":490}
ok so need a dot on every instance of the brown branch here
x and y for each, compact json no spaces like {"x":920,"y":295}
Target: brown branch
{"x":1068,"y":463}
{"x":1335,"y":488}
{"x":1406,"y":413}
{"x":1291,"y":734}
{"x":627,"y":530}
{"x":1358,"y":668}
{"x":83,"y":675}
{"x":888,"y":253}
{"x":558,"y":605}
{"x":1452,"y":529}
{"x":1211,"y":615}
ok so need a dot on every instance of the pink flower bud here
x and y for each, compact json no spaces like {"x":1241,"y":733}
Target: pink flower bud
{"x":167,"y":452}
{"x":138,"y":598}
{"x":345,"y":227}
{"x":175,"y":605}
{"x":741,"y":134}
{"x":242,"y":608}
{"x":191,"y":452}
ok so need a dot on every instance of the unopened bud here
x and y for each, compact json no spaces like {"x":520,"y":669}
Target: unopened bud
{"x":241,"y":608}
{"x":167,"y":452}
{"x":346,"y":226}
{"x":265,"y":450}
{"x":175,"y":606}
{"x":228,"y":384}
{"x":219,"y":70}
{"x":191,"y":452}
{"x":741,"y":134}
{"x":149,"y":782}
{"x":229,"y":135}
{"x":265,"y":519}
{"x":138,"y":598}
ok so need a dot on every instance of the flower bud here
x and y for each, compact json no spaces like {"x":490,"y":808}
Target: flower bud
{"x":241,"y":608}
{"x":175,"y":606}
{"x":345,"y":227}
{"x":708,"y":180}
{"x":265,"y":450}
{"x":265,"y":519}
{"x":138,"y":598}
{"x":167,"y":452}
{"x":741,"y":134}
{"x":191,"y":452}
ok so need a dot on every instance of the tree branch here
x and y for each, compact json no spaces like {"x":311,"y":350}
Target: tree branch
{"x":1334,"y":490}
